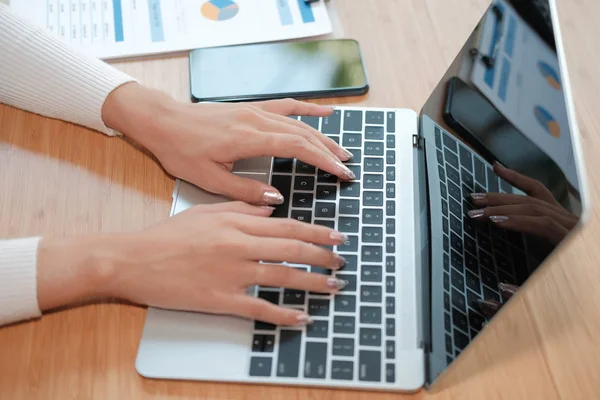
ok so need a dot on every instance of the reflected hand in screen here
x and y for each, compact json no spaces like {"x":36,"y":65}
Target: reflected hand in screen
{"x":537,"y":214}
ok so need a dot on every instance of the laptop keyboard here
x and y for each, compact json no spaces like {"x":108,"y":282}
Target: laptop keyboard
{"x":477,"y":256}
{"x":353,"y":334}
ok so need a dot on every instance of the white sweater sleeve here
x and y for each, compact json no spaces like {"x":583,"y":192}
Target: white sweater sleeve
{"x":40,"y":74}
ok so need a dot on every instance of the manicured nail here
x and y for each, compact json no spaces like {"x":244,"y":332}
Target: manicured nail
{"x":497,"y":163}
{"x":507,"y":290}
{"x":345,"y":171}
{"x":339,"y":236}
{"x":340,"y":261}
{"x":478,"y":196}
{"x":335,"y":283}
{"x":484,"y":325}
{"x":347,"y":154}
{"x":268,"y":208}
{"x":272,"y":198}
{"x":498,"y":219}
{"x":488,"y":307}
{"x":475,"y":213}
{"x":330,"y":107}
{"x":304,"y":319}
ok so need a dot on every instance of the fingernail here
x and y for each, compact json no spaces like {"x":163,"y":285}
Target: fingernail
{"x":497,"y":163}
{"x":488,"y":307}
{"x":347,"y":154}
{"x":330,"y":107}
{"x":335,"y":283}
{"x":498,"y":218}
{"x":475,"y":213}
{"x":507,"y":290}
{"x":478,"y":196}
{"x":340,"y":261}
{"x":335,"y":235}
{"x":304,"y":319}
{"x":272,"y":198}
{"x":484,"y":325}
{"x":345,"y":171}
{"x":268,"y":208}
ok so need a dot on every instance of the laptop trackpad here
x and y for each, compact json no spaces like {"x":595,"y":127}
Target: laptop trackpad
{"x":260,"y":165}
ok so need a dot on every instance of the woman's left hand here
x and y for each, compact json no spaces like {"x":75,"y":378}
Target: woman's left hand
{"x":200,"y":142}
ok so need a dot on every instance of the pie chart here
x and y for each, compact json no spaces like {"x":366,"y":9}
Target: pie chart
{"x":547,"y":121}
{"x":219,"y":10}
{"x":550,"y":75}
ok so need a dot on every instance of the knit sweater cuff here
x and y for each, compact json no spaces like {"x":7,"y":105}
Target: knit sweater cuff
{"x":18,"y":280}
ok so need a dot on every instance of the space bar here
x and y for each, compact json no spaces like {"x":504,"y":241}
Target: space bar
{"x":283,"y":183}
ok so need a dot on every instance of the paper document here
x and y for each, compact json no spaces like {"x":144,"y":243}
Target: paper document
{"x":525,"y":85}
{"x":124,"y":28}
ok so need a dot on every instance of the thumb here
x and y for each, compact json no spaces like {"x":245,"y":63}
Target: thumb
{"x":234,"y":206}
{"x":235,"y":187}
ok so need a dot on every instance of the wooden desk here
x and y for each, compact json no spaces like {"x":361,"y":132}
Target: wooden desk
{"x":58,"y":180}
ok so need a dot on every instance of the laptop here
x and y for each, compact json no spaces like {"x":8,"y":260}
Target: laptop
{"x":417,"y":263}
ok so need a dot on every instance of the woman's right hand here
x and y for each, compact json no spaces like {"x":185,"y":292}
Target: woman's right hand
{"x":203,"y":259}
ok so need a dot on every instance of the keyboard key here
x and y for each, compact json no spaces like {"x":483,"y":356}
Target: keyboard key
{"x":288,"y":358}
{"x":460,"y":340}
{"x":441,"y":173}
{"x":460,"y":320}
{"x":372,"y":216}
{"x":444,"y":207}
{"x":489,"y":294}
{"x":390,"y":349}
{"x":467,"y":180}
{"x":391,"y":121}
{"x":447,"y":326}
{"x":390,"y":190}
{"x":304,"y":183}
{"x":272,"y":297}
{"x":331,"y":123}
{"x":457,"y":260}
{"x":318,"y":307}
{"x":489,"y":278}
{"x":475,"y":320}
{"x":390,"y":141}
{"x":353,"y":121}
{"x":304,"y":168}
{"x":283,"y":165}
{"x":356,"y":156}
{"x":470,"y":245}
{"x":302,"y":215}
{"x":390,"y":373}
{"x":374,"y":117}
{"x":390,"y":305}
{"x":443,"y":190}
{"x":372,"y":253}
{"x":329,"y":224}
{"x":293,"y":297}
{"x":320,"y":270}
{"x":350,"y":189}
{"x":390,"y":157}
{"x":492,"y":180}
{"x":369,"y":366}
{"x":324,"y":210}
{"x":485,"y":260}
{"x":448,"y":344}
{"x":318,"y":329}
{"x":342,"y":370}
{"x":311,"y":121}
{"x":350,"y":245}
{"x":370,"y":294}
{"x":450,"y":142}
{"x":390,"y":327}
{"x":348,"y":224}
{"x":446,"y":263}
{"x":456,"y":225}
{"x":390,"y":244}
{"x":335,"y":138}
{"x":446,"y":281}
{"x":370,"y":337}
{"x":343,"y":347}
{"x":390,"y":264}
{"x":352,"y":140}
{"x":261,"y":366}
{"x":374,"y":133}
{"x":484,"y":243}
{"x":326,"y":192}
{"x":371,"y":273}
{"x":390,"y":174}
{"x":390,"y":284}
{"x":390,"y":226}
{"x":469,"y":226}
{"x":370,"y":315}
{"x":472,"y":281}
{"x":373,"y":149}
{"x":345,"y":303}
{"x":451,"y":158}
{"x":356,"y":170}
{"x":440,"y":158}
{"x":283,"y":183}
{"x":351,"y":286}
{"x":351,"y":263}
{"x":458,"y":300}
{"x":457,"y":243}
{"x":302,"y":200}
{"x":371,"y":234}
{"x":480,"y":172}
{"x":263,"y":343}
{"x":446,"y":243}
{"x":453,"y":175}
{"x":349,"y":207}
{"x":446,"y":301}
{"x":438,"y":138}
{"x":465,"y":158}
{"x":505,"y":186}
{"x":454,"y":191}
{"x":455,"y":207}
{"x":315,"y":360}
{"x":373,"y":164}
{"x":344,"y":324}
{"x":371,"y":198}
{"x":457,"y":280}
{"x":326,"y":177}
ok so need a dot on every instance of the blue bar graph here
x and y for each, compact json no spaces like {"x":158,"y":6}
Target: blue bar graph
{"x":504,"y":75}
{"x":306,"y":12}
{"x":118,"y":16}
{"x":156,"y":23}
{"x":284,"y":12}
{"x":509,"y":44}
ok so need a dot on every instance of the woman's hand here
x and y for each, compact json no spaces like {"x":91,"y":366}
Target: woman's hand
{"x":203,"y":259}
{"x":200,"y":142}
{"x":537,"y":214}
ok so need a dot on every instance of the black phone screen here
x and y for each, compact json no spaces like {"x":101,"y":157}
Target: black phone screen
{"x":275,"y":70}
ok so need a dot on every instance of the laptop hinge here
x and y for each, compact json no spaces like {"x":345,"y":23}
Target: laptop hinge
{"x":416,"y":140}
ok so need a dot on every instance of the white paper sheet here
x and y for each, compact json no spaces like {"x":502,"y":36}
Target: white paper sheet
{"x":125,"y":28}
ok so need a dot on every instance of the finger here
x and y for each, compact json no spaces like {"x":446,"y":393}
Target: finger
{"x":234,"y":206}
{"x":489,"y":308}
{"x":329,"y":143}
{"x":528,"y":209}
{"x":500,"y":199}
{"x":261,"y":310}
{"x":294,"y":107}
{"x":292,"y":251}
{"x":287,"y":228}
{"x":544,"y":227}
{"x":530,"y":186}
{"x":293,"y":278}
{"x":507,"y":290}
{"x":236,"y":187}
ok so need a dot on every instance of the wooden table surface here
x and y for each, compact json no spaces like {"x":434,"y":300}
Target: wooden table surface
{"x":57,"y":179}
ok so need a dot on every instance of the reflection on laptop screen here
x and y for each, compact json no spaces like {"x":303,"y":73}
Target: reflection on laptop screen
{"x":501,"y":100}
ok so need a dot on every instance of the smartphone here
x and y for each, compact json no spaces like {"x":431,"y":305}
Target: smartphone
{"x":314,"y":69}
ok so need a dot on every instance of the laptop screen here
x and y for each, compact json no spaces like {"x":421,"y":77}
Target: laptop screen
{"x":503,"y":99}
